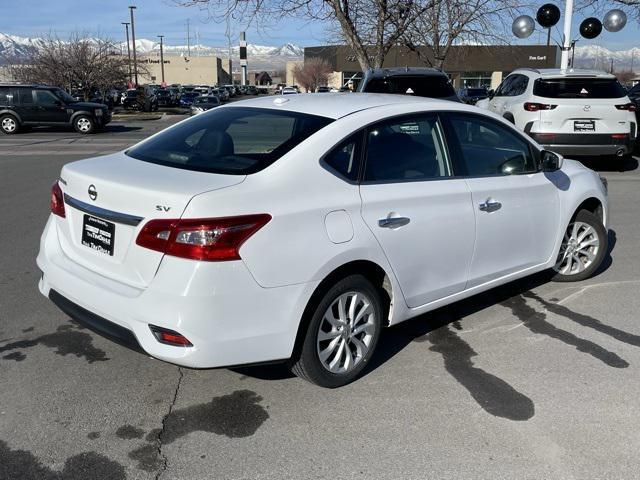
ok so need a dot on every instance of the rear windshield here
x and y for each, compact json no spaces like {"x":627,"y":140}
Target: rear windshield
{"x":233,"y":140}
{"x":474,"y":92}
{"x":420,"y":85}
{"x":578,"y":88}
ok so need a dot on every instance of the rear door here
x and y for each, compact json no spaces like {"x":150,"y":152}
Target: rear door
{"x":582,"y":105}
{"x":26,"y":105}
{"x":516,"y":206}
{"x":420,"y":214}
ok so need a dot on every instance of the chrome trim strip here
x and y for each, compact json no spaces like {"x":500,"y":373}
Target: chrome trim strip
{"x":102,"y":213}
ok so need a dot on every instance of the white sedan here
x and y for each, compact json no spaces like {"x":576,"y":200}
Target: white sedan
{"x":296,"y":228}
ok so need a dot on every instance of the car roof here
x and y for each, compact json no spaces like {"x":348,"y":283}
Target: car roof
{"x":333,"y":105}
{"x":567,"y":73}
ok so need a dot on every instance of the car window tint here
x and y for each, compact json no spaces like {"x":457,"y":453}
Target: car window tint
{"x":45,"y":97}
{"x":6,"y":96}
{"x":25,"y":95}
{"x":234,"y":140}
{"x":433,"y":86}
{"x":519,"y":85}
{"x":489,"y":148}
{"x":344,"y":159}
{"x":405,"y":149}
{"x":579,"y":88}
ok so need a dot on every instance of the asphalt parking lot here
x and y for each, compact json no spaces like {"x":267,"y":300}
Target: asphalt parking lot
{"x":531,"y":380}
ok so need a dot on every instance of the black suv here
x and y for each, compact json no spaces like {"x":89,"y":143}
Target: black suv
{"x":34,"y":105}
{"x":418,"y":81}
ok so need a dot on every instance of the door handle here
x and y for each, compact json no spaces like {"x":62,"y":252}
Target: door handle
{"x":490,"y":205}
{"x":393,"y":222}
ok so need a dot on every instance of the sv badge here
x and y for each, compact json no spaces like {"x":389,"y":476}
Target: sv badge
{"x":162,"y":208}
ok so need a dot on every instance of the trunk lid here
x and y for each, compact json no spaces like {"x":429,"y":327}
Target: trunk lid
{"x":109,"y":199}
{"x":588,"y":116}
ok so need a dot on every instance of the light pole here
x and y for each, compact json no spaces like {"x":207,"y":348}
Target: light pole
{"x":133,"y":40}
{"x":566,"y":41}
{"x":161,"y":58}
{"x":126,"y":27}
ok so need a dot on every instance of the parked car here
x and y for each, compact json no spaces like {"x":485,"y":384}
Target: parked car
{"x":187,"y":98}
{"x":288,"y":91}
{"x":142,"y":98}
{"x":204,"y":103}
{"x":323,"y":90}
{"x":165,"y":98}
{"x":252,"y":90}
{"x":175,"y":94}
{"x":472,"y":95}
{"x":35,"y":105}
{"x":572,"y":112}
{"x":420,"y":82}
{"x":189,"y":247}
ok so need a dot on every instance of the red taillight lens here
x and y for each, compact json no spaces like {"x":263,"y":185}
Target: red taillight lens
{"x":210,"y":239}
{"x":627,"y":106}
{"x":534,"y":107}
{"x":170,"y":337}
{"x":57,"y":200}
{"x":619,"y":136}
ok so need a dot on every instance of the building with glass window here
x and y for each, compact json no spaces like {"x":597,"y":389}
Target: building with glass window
{"x":467,"y":65}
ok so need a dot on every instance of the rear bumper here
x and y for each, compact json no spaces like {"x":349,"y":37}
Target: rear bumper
{"x":585,"y":144}
{"x":218,"y":306}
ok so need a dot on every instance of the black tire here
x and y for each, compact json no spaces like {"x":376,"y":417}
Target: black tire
{"x":84,"y":124}
{"x":9,"y":124}
{"x":585,"y":217}
{"x":307,"y":364}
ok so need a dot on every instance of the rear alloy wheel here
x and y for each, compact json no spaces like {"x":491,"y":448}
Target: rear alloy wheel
{"x":84,"y":124}
{"x":9,"y":124}
{"x":583,"y":248}
{"x":342,"y":334}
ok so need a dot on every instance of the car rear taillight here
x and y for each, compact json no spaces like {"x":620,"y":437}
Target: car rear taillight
{"x":631,"y":107}
{"x":545,"y":137}
{"x":534,"y":107}
{"x":57,"y":200}
{"x":210,"y":239}
{"x":619,"y":136}
{"x":170,"y":337}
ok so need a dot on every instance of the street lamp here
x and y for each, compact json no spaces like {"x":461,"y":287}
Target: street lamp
{"x":126,"y":26}
{"x":133,"y":39}
{"x":161,"y":58}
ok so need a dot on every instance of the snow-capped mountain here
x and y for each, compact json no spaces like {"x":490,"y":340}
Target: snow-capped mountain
{"x":260,"y":56}
{"x":594,"y":56}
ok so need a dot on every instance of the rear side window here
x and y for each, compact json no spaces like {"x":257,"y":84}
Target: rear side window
{"x":433,"y":86}
{"x":345,"y":158}
{"x":489,"y":148}
{"x":406,"y":149}
{"x":578,"y":88}
{"x":6,"y":96}
{"x":25,"y":96}
{"x":233,"y":140}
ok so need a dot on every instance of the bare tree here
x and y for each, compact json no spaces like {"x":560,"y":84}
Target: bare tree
{"x":79,"y":62}
{"x":601,"y":6}
{"x":452,"y":22}
{"x":369,"y":27}
{"x":313,"y":73}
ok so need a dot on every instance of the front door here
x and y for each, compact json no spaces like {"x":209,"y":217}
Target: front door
{"x":420,"y":214}
{"x":50,"y":108}
{"x":516,"y":205}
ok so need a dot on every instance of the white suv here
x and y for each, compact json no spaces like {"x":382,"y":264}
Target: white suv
{"x":572,"y":112}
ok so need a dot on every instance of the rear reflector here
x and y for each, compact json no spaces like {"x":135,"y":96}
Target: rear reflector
{"x":534,"y":107}
{"x":619,"y":135}
{"x":545,"y":136}
{"x":169,"y":337}
{"x":209,"y":239}
{"x":57,"y":200}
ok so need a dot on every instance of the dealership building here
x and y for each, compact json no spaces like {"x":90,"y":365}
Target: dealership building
{"x":467,"y":65}
{"x":199,"y":70}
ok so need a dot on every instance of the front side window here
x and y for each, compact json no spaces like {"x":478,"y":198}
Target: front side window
{"x":46,"y":98}
{"x":488,"y":148}
{"x":519,"y":85}
{"x":504,"y":88}
{"x":233,"y":140}
{"x":406,"y":149}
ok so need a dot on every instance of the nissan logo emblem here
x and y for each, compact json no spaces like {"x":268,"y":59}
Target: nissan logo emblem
{"x":93,"y":193}
{"x":586,"y":108}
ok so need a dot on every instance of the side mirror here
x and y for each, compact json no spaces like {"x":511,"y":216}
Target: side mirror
{"x":491,"y":93}
{"x":550,"y":161}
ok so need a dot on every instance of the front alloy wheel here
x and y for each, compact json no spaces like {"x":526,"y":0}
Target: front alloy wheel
{"x":342,"y":333}
{"x":583,"y":248}
{"x":8,"y":124}
{"x":84,"y":124}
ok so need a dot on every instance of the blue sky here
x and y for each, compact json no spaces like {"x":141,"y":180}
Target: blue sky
{"x":153,"y":17}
